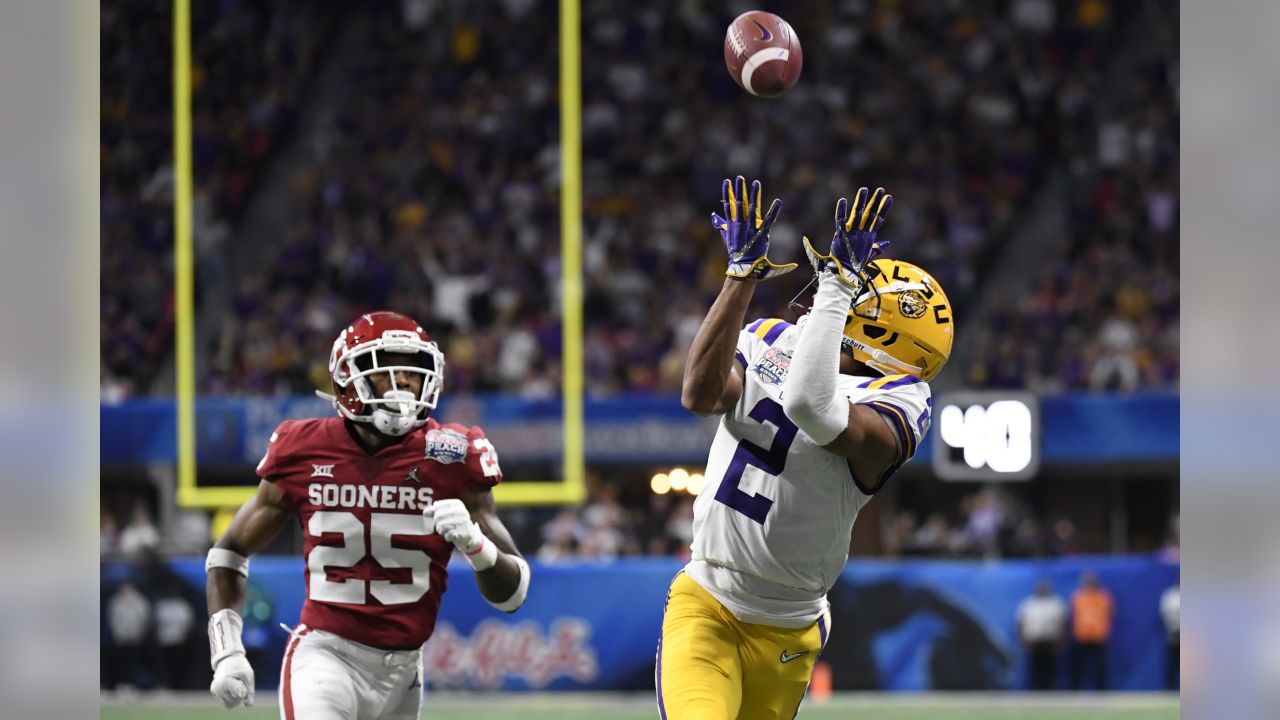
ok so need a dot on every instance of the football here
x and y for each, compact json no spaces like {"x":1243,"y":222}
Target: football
{"x":762,"y":53}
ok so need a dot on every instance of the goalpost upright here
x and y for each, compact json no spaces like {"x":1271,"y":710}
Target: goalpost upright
{"x":572,"y":487}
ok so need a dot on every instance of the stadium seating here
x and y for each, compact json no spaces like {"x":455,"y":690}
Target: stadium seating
{"x":249,"y":62}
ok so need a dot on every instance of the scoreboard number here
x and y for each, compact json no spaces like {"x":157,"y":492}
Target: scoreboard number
{"x":987,"y":436}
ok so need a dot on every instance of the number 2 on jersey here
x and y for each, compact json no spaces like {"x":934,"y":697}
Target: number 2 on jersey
{"x":772,"y":461}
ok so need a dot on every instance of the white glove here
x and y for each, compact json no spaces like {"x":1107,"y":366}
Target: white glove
{"x":232,"y":674}
{"x":233,"y":681}
{"x":453,"y":522}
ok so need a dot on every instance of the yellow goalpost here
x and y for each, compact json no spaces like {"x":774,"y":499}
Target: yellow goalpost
{"x":572,"y":487}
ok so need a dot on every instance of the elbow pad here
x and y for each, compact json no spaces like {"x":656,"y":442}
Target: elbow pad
{"x":514,"y":602}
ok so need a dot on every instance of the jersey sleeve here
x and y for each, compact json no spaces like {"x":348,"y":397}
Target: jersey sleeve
{"x":906,"y":402}
{"x":757,"y":337}
{"x":272,"y":464}
{"x":482,"y":459}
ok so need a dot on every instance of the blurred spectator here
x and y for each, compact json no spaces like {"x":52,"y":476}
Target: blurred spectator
{"x":1027,"y":539}
{"x":1092,"y":612}
{"x":1063,"y":541}
{"x":174,"y":621}
{"x":1042,"y":620}
{"x":680,"y":527}
{"x":986,"y":517}
{"x":935,"y":537}
{"x":559,"y":537}
{"x":129,"y":619}
{"x":1171,"y":616}
{"x":900,"y":532}
{"x":108,"y":534}
{"x":606,"y":526}
{"x":140,"y":537}
{"x":189,"y":532}
{"x":1118,"y":361}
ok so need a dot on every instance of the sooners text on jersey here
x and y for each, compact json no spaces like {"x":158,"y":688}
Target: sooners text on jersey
{"x":374,"y":574}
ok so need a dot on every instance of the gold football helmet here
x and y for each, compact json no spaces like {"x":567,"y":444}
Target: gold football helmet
{"x":902,"y":322}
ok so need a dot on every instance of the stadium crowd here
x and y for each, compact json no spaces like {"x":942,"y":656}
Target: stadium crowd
{"x":249,"y":61}
{"x":445,"y":202}
{"x":1104,"y":314}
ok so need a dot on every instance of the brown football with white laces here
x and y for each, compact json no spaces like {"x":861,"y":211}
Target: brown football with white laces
{"x":763,"y":53}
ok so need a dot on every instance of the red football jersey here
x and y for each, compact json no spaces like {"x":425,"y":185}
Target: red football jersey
{"x":374,"y":574}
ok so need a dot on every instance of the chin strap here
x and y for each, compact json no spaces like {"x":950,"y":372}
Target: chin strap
{"x":384,"y":421}
{"x":883,"y":361}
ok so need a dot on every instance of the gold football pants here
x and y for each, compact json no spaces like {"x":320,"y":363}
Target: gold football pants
{"x":713,"y":666}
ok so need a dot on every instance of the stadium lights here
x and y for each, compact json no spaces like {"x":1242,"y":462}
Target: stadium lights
{"x":677,"y":480}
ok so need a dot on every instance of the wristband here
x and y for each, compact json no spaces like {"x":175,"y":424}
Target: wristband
{"x":229,"y":559}
{"x":483,"y":556}
{"x":225,"y":627}
{"x":514,"y":602}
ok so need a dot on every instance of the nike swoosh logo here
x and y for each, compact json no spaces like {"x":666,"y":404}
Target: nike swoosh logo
{"x":765,"y":35}
{"x":788,"y":657}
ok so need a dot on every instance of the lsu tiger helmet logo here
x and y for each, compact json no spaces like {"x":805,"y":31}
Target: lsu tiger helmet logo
{"x":902,"y":322}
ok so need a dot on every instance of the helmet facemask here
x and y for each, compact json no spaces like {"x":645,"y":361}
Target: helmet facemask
{"x":398,"y":409}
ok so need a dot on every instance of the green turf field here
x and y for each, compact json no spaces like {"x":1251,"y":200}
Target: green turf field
{"x":640,"y":707}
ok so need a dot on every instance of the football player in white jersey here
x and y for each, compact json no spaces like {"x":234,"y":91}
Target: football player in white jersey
{"x":815,"y":418}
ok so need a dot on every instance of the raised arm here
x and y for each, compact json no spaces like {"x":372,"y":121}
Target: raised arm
{"x":810,"y":396}
{"x":227,"y":574}
{"x":712,"y":380}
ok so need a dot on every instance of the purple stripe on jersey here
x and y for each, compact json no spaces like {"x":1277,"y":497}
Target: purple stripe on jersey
{"x":907,"y":380}
{"x":662,"y":707}
{"x":752,"y":327}
{"x":657,"y":672}
{"x":741,"y":358}
{"x":822,"y":632}
{"x":775,"y":331}
{"x":868,"y":382}
{"x":899,"y":417}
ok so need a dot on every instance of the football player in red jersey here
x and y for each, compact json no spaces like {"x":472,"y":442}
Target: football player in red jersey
{"x":384,"y":494}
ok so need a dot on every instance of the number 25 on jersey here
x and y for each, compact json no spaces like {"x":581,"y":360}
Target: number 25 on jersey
{"x":381,"y":527}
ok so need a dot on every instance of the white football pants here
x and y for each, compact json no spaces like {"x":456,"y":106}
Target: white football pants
{"x":327,"y":677}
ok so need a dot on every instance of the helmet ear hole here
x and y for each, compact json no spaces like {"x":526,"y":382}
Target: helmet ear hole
{"x":875,"y":332}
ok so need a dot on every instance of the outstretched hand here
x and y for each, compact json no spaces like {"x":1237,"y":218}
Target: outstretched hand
{"x":854,"y":243}
{"x":745,"y":231}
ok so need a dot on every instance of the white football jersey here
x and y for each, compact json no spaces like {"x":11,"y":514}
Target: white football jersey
{"x":772,"y":524}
